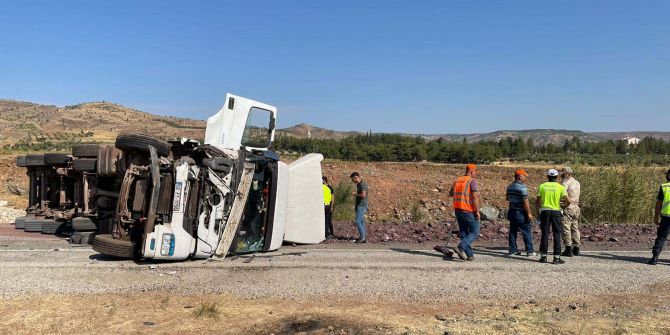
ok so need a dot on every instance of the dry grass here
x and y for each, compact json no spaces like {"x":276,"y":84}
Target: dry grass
{"x":208,"y":309}
{"x":161,"y":313}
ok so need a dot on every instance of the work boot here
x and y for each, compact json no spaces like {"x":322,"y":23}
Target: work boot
{"x":575,"y":251}
{"x":470,"y":258}
{"x":461,"y":254}
{"x":558,"y":261}
{"x":653,"y":260}
{"x":543,"y":259}
{"x":567,"y":252}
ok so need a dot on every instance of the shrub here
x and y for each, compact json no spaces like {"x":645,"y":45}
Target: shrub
{"x":344,"y":202}
{"x":618,"y":195}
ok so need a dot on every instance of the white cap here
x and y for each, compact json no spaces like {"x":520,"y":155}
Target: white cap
{"x":552,"y":173}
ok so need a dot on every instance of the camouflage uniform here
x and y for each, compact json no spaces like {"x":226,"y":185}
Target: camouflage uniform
{"x":571,"y":214}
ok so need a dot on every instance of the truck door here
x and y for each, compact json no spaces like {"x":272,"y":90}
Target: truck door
{"x":240,"y":123}
{"x":305,"y":217}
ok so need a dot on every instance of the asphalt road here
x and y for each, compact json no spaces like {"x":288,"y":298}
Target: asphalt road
{"x":51,"y":266}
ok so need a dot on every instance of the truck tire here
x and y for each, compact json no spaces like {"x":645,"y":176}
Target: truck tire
{"x":21,"y":161}
{"x":33,"y":226}
{"x":85,"y":150}
{"x":80,"y":224}
{"x":108,"y":245}
{"x":56,"y":159}
{"x":35,"y":160}
{"x":141,"y":142}
{"x":82,"y":238}
{"x":19,"y":223}
{"x":84,"y":164}
{"x":52,"y":227}
{"x":108,"y":156}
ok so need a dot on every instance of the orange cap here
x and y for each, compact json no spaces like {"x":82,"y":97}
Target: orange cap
{"x":520,"y":172}
{"x":471,"y":167}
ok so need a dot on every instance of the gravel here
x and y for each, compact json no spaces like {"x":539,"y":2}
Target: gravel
{"x":302,"y":272}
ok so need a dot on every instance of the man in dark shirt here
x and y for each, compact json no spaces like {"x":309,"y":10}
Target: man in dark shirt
{"x":519,"y":215}
{"x":661,"y":219}
{"x":361,"y":208}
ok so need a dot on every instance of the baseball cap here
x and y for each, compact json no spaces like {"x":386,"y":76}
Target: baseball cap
{"x":520,"y":172}
{"x":471,"y":167}
{"x":567,"y":169}
{"x":552,"y":173}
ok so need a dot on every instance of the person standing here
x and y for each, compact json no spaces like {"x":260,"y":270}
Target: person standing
{"x":519,"y":214}
{"x":328,"y":206}
{"x":361,"y":208}
{"x":571,"y":214}
{"x":551,"y":197}
{"x":465,"y":192}
{"x":662,"y":212}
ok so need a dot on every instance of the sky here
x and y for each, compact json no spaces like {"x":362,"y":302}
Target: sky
{"x":386,"y":66}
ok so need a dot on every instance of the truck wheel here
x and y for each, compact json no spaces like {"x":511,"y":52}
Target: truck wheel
{"x":108,"y":245}
{"x":56,"y":159}
{"x":52,"y":227}
{"x":19,"y":223}
{"x":35,"y":160}
{"x":33,"y":226}
{"x":84,"y":164}
{"x":141,"y":142}
{"x":83,"y":224}
{"x":108,"y":156}
{"x":82,"y":238}
{"x":85,"y":150}
{"x":21,"y":161}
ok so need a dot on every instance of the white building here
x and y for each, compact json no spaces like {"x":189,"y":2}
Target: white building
{"x":631,"y":140}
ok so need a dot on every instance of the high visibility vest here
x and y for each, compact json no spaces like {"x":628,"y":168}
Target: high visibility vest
{"x":462,"y":196}
{"x":327,"y":195}
{"x":665,"y":210}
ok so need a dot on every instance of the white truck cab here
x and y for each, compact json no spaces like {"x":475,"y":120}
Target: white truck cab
{"x":232,"y":194}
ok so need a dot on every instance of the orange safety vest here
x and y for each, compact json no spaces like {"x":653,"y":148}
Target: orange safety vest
{"x":463,"y":199}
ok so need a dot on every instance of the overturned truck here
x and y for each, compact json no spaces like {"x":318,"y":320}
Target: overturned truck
{"x":231,"y":194}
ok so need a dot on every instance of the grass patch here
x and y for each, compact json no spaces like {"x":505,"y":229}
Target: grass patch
{"x":619,"y":194}
{"x":208,"y":309}
{"x":344,"y":202}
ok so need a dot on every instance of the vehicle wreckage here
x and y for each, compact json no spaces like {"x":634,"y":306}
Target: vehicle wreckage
{"x":183,"y":199}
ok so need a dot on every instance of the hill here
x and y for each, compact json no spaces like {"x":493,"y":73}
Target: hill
{"x":91,"y":121}
{"x":26,"y":122}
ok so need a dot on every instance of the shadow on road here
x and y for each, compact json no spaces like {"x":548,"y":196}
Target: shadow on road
{"x":421,"y":253}
{"x":502,"y":253}
{"x":625,"y":258}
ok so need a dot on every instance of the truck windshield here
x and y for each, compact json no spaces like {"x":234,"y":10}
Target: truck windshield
{"x":257,"y":130}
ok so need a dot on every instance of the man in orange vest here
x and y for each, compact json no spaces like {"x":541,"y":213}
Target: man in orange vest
{"x":465,"y":192}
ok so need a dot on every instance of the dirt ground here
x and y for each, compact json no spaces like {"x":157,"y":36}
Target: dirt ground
{"x":165,"y":313}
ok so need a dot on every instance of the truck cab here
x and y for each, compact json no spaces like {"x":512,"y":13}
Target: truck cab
{"x":230,"y":194}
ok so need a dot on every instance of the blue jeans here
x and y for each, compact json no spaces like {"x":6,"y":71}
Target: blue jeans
{"x":518,"y":222}
{"x":360,"y":220}
{"x":469,"y":231}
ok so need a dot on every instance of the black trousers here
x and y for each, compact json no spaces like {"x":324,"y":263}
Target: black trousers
{"x":329,"y":221}
{"x":551,"y":220}
{"x":661,"y":235}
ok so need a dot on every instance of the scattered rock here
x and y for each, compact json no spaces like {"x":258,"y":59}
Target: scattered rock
{"x":613,"y":239}
{"x":489,"y":213}
{"x":572,"y":306}
{"x":149,"y":323}
{"x":441,"y":317}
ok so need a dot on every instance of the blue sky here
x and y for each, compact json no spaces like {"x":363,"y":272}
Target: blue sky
{"x":391,"y":66}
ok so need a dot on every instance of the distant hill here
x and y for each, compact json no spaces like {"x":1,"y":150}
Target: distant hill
{"x":102,"y":121}
{"x":304,"y":130}
{"x":99,"y":121}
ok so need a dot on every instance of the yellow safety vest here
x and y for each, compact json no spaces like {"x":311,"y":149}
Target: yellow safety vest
{"x":327,"y":195}
{"x":665,"y":210}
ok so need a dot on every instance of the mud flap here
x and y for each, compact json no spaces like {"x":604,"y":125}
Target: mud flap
{"x":236,"y":212}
